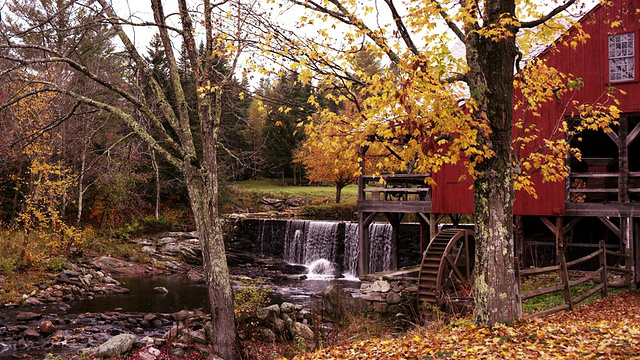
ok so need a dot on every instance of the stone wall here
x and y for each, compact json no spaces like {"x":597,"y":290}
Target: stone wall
{"x":391,"y":298}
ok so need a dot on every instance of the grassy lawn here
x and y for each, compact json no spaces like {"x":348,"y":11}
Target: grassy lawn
{"x":272,"y":188}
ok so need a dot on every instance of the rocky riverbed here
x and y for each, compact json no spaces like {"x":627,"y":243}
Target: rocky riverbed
{"x":42,"y":322}
{"x":50,"y":321}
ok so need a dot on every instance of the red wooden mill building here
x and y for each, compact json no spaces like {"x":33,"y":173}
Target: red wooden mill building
{"x":600,"y":200}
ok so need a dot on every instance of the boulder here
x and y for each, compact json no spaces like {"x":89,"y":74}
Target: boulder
{"x":115,"y":346}
{"x":31,"y":334}
{"x":274,"y":309}
{"x":287,"y":307}
{"x":160,"y":290}
{"x":278,"y":325}
{"x":335,"y":300}
{"x":27,"y":316}
{"x":301,"y":330}
{"x":393,"y":298}
{"x":47,"y":327}
{"x":195,"y":276}
{"x":31,"y":301}
{"x":181,"y":315}
{"x":268,"y":335}
{"x":380,"y":286}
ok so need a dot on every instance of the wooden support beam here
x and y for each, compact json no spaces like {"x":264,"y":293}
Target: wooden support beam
{"x":613,"y":137}
{"x":605,"y":220}
{"x":635,"y":238}
{"x":571,"y":225}
{"x":633,"y":134}
{"x":424,"y":240}
{"x":626,"y":243}
{"x":559,"y":238}
{"x":364,"y":220}
{"x":394,"y":220}
{"x":435,"y":220}
{"x":369,"y":219}
{"x":623,"y":162}
{"x":548,"y":224}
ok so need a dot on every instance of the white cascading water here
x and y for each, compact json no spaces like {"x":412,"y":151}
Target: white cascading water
{"x":315,"y":245}
{"x":350,"y":264}
{"x":379,"y":247}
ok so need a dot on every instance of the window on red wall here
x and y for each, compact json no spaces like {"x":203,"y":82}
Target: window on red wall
{"x":621,"y":57}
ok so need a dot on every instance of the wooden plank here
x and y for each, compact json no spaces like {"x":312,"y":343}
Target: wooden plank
{"x":616,"y":253}
{"x":548,"y":290}
{"x":593,"y":190}
{"x":593,"y":175}
{"x":582,"y":280}
{"x":603,"y":209}
{"x":538,"y":271}
{"x":548,"y":311}
{"x":584,"y":258}
{"x":586,"y":294}
{"x":615,"y":269}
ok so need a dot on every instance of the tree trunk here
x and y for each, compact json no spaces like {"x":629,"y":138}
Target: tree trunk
{"x":491,"y":82}
{"x":203,"y":195}
{"x":156,"y":170}
{"x":339,"y":187}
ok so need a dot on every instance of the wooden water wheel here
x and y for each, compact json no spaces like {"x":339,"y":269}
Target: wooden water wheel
{"x":446,"y":271}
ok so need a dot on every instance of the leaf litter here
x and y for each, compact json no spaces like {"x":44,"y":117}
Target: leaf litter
{"x":603,"y":329}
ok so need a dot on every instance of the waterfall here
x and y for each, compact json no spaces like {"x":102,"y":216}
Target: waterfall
{"x":351,"y":249}
{"x":380,"y":247}
{"x":320,"y":244}
{"x":294,"y":241}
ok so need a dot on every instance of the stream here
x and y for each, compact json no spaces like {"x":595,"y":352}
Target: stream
{"x":90,"y":322}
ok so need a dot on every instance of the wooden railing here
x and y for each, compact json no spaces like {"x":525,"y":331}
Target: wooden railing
{"x":394,"y":187}
{"x":601,"y":186}
{"x":598,"y":276}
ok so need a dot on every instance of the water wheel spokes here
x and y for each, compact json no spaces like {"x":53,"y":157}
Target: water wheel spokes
{"x":446,"y":272}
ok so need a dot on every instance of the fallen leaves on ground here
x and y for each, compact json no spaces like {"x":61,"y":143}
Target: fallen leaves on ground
{"x":604,"y":329}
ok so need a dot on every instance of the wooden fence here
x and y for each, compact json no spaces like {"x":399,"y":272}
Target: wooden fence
{"x":562,"y":269}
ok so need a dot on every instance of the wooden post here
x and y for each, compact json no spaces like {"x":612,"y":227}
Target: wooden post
{"x":564,"y":278}
{"x":626,"y":242}
{"x":363,"y":244}
{"x":518,"y":283}
{"x":424,"y":241}
{"x":634,"y":238}
{"x":433,"y":226}
{"x":394,"y":220}
{"x":519,"y":238}
{"x":559,"y":238}
{"x":603,"y":271}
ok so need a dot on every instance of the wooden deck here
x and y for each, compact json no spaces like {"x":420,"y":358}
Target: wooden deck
{"x":399,"y":193}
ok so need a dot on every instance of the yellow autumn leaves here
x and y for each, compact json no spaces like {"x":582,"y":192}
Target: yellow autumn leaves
{"x":606,"y":329}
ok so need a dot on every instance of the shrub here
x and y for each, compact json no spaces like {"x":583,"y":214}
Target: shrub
{"x":251,"y":295}
{"x":345,"y":212}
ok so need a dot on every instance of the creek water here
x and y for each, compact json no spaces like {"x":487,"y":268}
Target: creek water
{"x":327,"y":249}
{"x":185,"y":294}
